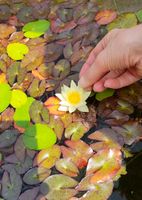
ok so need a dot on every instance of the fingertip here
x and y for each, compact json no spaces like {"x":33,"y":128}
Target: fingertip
{"x":98,"y":87}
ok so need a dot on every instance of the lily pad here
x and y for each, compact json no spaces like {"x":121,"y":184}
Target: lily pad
{"x":139,"y":15}
{"x":18,"y":98}
{"x":21,"y":115}
{"x":36,"y":29}
{"x":17,"y":50}
{"x":105,"y":17}
{"x":58,"y":187}
{"x":30,"y":194}
{"x":39,"y":136}
{"x":8,"y":137}
{"x":11,"y":185}
{"x":105,"y":94}
{"x":125,"y":20}
{"x":36,"y":175}
{"x":75,"y":130}
{"x":5,"y":96}
{"x":67,"y":167}
{"x":39,"y":113}
{"x":47,"y":158}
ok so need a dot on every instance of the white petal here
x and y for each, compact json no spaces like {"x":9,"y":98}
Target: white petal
{"x":63,"y":108}
{"x":83,"y":108}
{"x":64,"y":103}
{"x":73,"y":84}
{"x":86,"y":95}
{"x":60,"y":96}
{"x":65,"y":88}
{"x":72,"y":109}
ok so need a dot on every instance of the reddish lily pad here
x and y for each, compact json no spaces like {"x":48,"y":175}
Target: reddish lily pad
{"x":52,"y":103}
{"x":67,"y":167}
{"x":6,"y":119}
{"x":47,"y":158}
{"x":105,"y":16}
{"x":78,"y":152}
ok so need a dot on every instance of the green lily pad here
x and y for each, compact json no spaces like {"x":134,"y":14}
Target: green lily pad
{"x":36,"y":29}
{"x":125,"y":20}
{"x":39,"y":136}
{"x":59,"y":187}
{"x":139,"y":15}
{"x":21,"y":115}
{"x":105,"y":94}
{"x":5,"y":96}
{"x":17,"y":50}
{"x":18,"y":98}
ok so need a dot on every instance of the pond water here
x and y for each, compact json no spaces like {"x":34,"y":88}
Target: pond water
{"x":54,"y":155}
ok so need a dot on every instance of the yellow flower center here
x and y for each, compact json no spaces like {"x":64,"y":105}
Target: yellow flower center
{"x":74,"y":97}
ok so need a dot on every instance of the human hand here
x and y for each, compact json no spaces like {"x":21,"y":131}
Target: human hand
{"x":115,"y":62}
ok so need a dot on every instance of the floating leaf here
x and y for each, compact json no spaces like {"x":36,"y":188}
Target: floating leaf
{"x":11,"y":185}
{"x":15,"y":72}
{"x":139,"y":15}
{"x":5,"y":96}
{"x":57,"y":125}
{"x":67,"y":167}
{"x":36,"y":175}
{"x":75,"y":131}
{"x":52,"y":103}
{"x":39,"y":113}
{"x":125,"y":20}
{"x":37,"y":88}
{"x":100,"y":191}
{"x":8,"y":137}
{"x":6,"y":119}
{"x":78,"y":152}
{"x":30,"y":194}
{"x":131,"y":131}
{"x":18,"y":98}
{"x":105,"y":94}
{"x":58,"y":187}
{"x":36,"y":29}
{"x":39,"y":136}
{"x":47,"y":158}
{"x":105,"y":16}
{"x":125,"y":107}
{"x":17,"y":50}
{"x":21,"y":115}
{"x":20,"y":150}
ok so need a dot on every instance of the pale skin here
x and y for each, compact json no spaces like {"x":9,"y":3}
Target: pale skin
{"x":115,"y":62}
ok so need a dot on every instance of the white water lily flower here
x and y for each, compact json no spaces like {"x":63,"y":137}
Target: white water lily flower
{"x":73,"y":98}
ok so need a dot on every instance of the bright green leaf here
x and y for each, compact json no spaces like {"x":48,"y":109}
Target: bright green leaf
{"x":21,"y":115}
{"x":35,"y":29}
{"x":5,"y":96}
{"x":105,"y":94}
{"x":17,"y":50}
{"x":39,"y":136}
{"x":18,"y":98}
